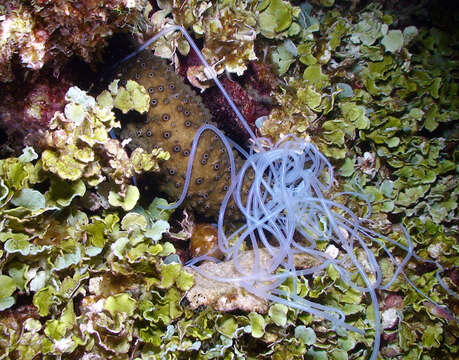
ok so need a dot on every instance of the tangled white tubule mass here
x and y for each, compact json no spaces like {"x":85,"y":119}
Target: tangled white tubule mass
{"x":287,"y":196}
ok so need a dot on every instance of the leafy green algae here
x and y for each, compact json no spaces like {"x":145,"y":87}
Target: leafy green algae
{"x":377,"y":97}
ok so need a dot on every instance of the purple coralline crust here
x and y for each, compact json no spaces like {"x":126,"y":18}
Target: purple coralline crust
{"x":251,"y":93}
{"x":26,"y":110}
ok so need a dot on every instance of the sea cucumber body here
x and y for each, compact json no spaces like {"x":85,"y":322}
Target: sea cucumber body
{"x":175,"y":114}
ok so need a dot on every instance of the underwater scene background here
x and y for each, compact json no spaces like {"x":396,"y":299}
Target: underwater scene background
{"x":92,"y":265}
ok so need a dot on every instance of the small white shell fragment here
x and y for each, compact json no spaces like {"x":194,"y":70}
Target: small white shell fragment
{"x":389,"y":318}
{"x":332,"y":251}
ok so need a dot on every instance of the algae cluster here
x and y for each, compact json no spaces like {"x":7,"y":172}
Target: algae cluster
{"x":35,"y":33}
{"x":86,"y":272}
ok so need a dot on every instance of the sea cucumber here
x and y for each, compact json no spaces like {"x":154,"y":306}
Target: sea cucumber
{"x":175,"y":114}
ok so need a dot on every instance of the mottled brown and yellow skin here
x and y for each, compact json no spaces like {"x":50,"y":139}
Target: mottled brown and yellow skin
{"x":175,"y":114}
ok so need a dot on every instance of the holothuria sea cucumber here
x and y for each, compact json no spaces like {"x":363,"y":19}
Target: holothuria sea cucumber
{"x":176,"y":112}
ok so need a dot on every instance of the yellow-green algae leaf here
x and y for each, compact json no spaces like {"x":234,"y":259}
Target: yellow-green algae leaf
{"x":98,"y":134}
{"x":105,"y":98}
{"x":355,"y":114}
{"x":75,"y":112}
{"x":120,"y":303}
{"x":128,"y":201}
{"x":309,"y":97}
{"x":156,"y":212}
{"x":6,"y":302}
{"x":132,"y":221}
{"x":174,"y":273}
{"x":227,"y":326}
{"x":65,"y":166}
{"x":85,"y":155}
{"x":284,"y":57}
{"x":275,"y":17}
{"x":43,"y":299}
{"x":96,"y":232}
{"x":61,"y":192}
{"x":278,"y":314}
{"x":78,"y":96}
{"x":132,"y":97}
{"x":411,"y":195}
{"x":167,"y":249}
{"x":314,"y":75}
{"x":165,"y":309}
{"x":393,"y":41}
{"x":21,"y":244}
{"x":17,"y":271}
{"x":157,"y":229}
{"x":143,"y":161}
{"x":66,"y":260}
{"x":185,"y":281}
{"x":347,"y":169}
{"x":118,"y":247}
{"x":16,"y":174}
{"x":169,"y":272}
{"x":57,"y":329}
{"x":338,"y":354}
{"x":28,"y":155}
{"x":306,"y":334}
{"x":432,"y":336}
{"x":29,"y":199}
{"x":257,"y":323}
{"x":305,"y":53}
{"x":7,"y":288}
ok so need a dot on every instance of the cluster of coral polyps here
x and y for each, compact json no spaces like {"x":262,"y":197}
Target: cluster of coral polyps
{"x":45,"y":31}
